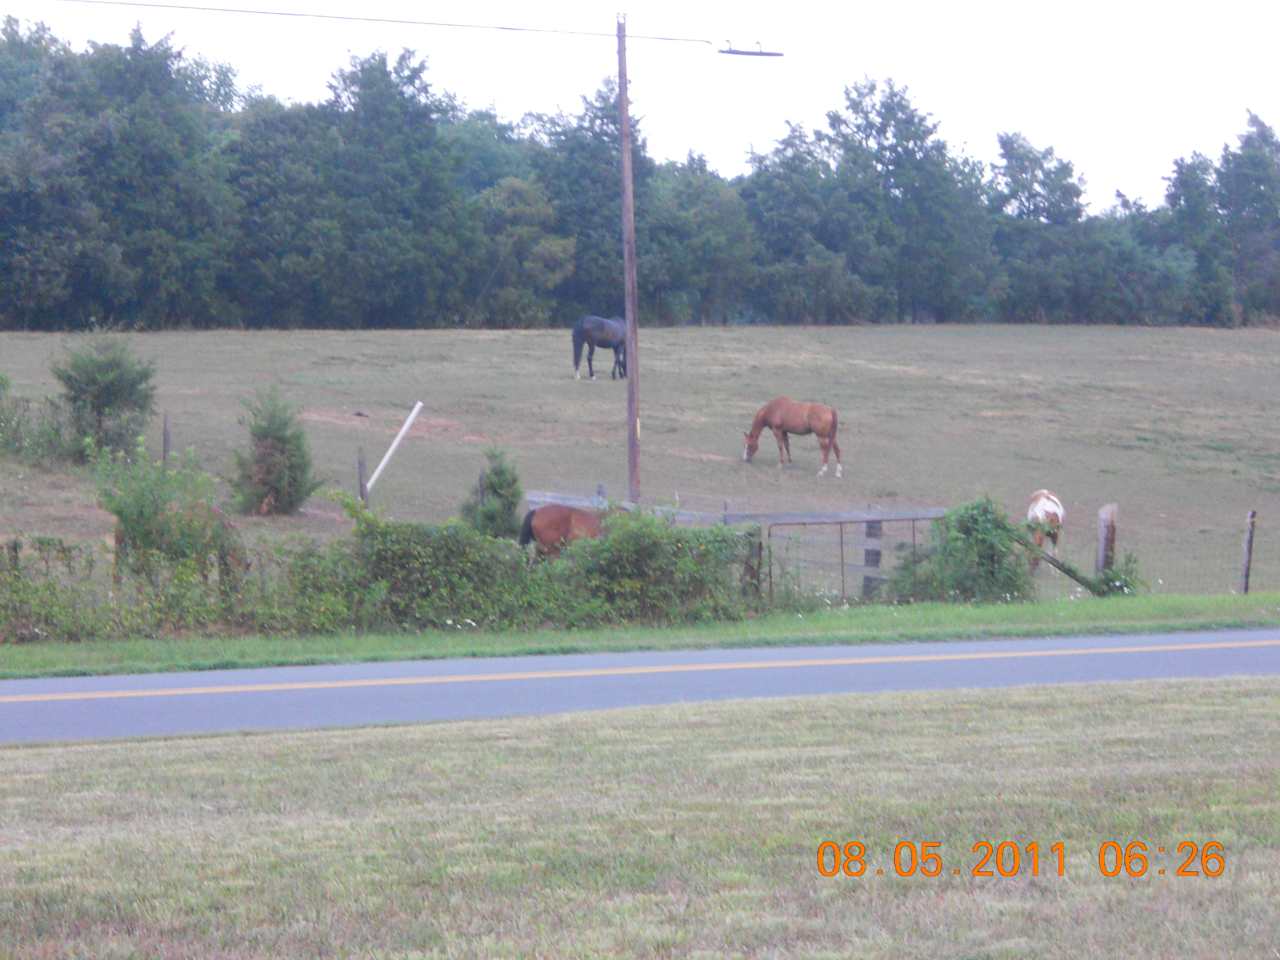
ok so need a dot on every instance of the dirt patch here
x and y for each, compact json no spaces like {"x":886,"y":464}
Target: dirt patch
{"x":382,"y":419}
{"x":685,"y":453}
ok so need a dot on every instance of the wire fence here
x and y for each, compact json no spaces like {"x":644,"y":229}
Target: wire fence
{"x":851,"y":555}
{"x":852,"y":560}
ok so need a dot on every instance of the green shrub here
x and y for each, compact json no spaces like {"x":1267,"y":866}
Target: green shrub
{"x":1120,"y":580}
{"x":275,"y":476}
{"x":975,"y":554}
{"x":166,"y":512}
{"x":109,"y":392}
{"x":493,"y":507}
{"x":37,"y":432}
{"x":442,"y":576}
{"x":642,"y":569}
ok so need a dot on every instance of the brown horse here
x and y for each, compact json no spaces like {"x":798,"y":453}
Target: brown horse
{"x":785,"y":416}
{"x":554,"y":525}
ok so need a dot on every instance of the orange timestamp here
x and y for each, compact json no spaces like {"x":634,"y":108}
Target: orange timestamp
{"x":1009,"y":858}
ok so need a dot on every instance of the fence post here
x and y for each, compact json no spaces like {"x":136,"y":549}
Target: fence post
{"x":1248,"y":551}
{"x":1106,"y":538}
{"x":362,"y":489}
{"x":165,"y":446}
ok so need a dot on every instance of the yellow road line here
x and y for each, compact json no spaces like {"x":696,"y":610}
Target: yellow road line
{"x":423,"y":681}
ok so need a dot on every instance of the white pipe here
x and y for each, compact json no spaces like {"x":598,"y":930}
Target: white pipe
{"x":417,"y":408}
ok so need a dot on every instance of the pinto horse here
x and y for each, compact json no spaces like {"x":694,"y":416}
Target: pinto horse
{"x":599,"y":332}
{"x":553,"y":525}
{"x":1044,"y":517}
{"x":785,"y":416}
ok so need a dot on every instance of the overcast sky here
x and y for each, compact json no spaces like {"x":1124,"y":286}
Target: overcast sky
{"x":1119,"y":89}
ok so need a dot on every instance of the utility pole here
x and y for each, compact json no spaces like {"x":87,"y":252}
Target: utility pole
{"x":632,"y":307}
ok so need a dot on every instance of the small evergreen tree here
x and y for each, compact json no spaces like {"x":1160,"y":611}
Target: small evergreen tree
{"x":493,"y":505}
{"x":109,"y":392}
{"x":275,"y":476}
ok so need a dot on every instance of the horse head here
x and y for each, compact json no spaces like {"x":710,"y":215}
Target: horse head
{"x":753,"y":444}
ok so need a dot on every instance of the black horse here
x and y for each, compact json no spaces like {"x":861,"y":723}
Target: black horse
{"x":599,"y":332}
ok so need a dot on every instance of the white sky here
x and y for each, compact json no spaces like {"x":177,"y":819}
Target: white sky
{"x":1119,"y":89}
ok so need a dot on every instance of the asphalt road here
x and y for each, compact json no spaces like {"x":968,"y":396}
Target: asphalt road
{"x":175,"y":704}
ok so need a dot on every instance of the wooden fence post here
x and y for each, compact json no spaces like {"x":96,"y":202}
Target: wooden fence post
{"x":1248,"y":551}
{"x":1106,"y":538}
{"x":165,"y":445}
{"x":362,"y":488}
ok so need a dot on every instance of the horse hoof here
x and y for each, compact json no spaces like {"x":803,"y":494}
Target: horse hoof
{"x":839,"y":472}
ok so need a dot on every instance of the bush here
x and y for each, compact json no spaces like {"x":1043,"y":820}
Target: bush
{"x":39,"y":433}
{"x":443,"y":576}
{"x":1120,"y":580}
{"x":974,"y":555}
{"x":642,"y":569}
{"x":275,"y":477}
{"x":167,"y":513}
{"x":109,"y":393}
{"x":493,"y":507}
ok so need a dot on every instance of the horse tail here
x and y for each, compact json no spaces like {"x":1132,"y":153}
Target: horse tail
{"x":835,"y":422}
{"x":579,"y":337}
{"x":526,"y":529}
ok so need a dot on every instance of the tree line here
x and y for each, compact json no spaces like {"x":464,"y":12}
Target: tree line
{"x":142,"y":189}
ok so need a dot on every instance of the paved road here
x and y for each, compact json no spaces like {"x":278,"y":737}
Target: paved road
{"x":87,"y":708}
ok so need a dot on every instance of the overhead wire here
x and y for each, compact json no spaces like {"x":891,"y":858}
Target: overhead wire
{"x":352,"y":18}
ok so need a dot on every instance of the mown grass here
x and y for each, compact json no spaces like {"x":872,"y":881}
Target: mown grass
{"x":686,"y":831}
{"x":874,"y":623}
{"x":1171,"y":424}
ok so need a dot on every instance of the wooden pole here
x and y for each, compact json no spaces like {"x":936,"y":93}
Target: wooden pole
{"x":630,"y":288}
{"x":165,"y":445}
{"x":1248,"y":551}
{"x":1106,"y":538}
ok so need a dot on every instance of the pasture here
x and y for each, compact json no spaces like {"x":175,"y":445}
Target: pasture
{"x":1176,"y":425}
{"x":686,"y":831}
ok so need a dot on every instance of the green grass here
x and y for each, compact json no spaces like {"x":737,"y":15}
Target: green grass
{"x":855,"y":625}
{"x":685,"y":831}
{"x":929,"y":416}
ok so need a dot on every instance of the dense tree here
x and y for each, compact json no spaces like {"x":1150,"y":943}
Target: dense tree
{"x":141,"y":188}
{"x":580,"y":169}
{"x":1248,"y":181}
{"x":525,"y":260}
{"x":696,"y":245}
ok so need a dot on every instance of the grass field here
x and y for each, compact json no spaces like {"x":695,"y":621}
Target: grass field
{"x":1177,"y":426}
{"x":873,"y":623}
{"x":686,"y":831}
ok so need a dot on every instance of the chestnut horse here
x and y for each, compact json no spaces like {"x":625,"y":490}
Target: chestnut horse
{"x":554,"y":525}
{"x":1044,"y":517}
{"x":785,"y":416}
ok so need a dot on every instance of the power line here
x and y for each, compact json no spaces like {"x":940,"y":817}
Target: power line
{"x":387,"y":20}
